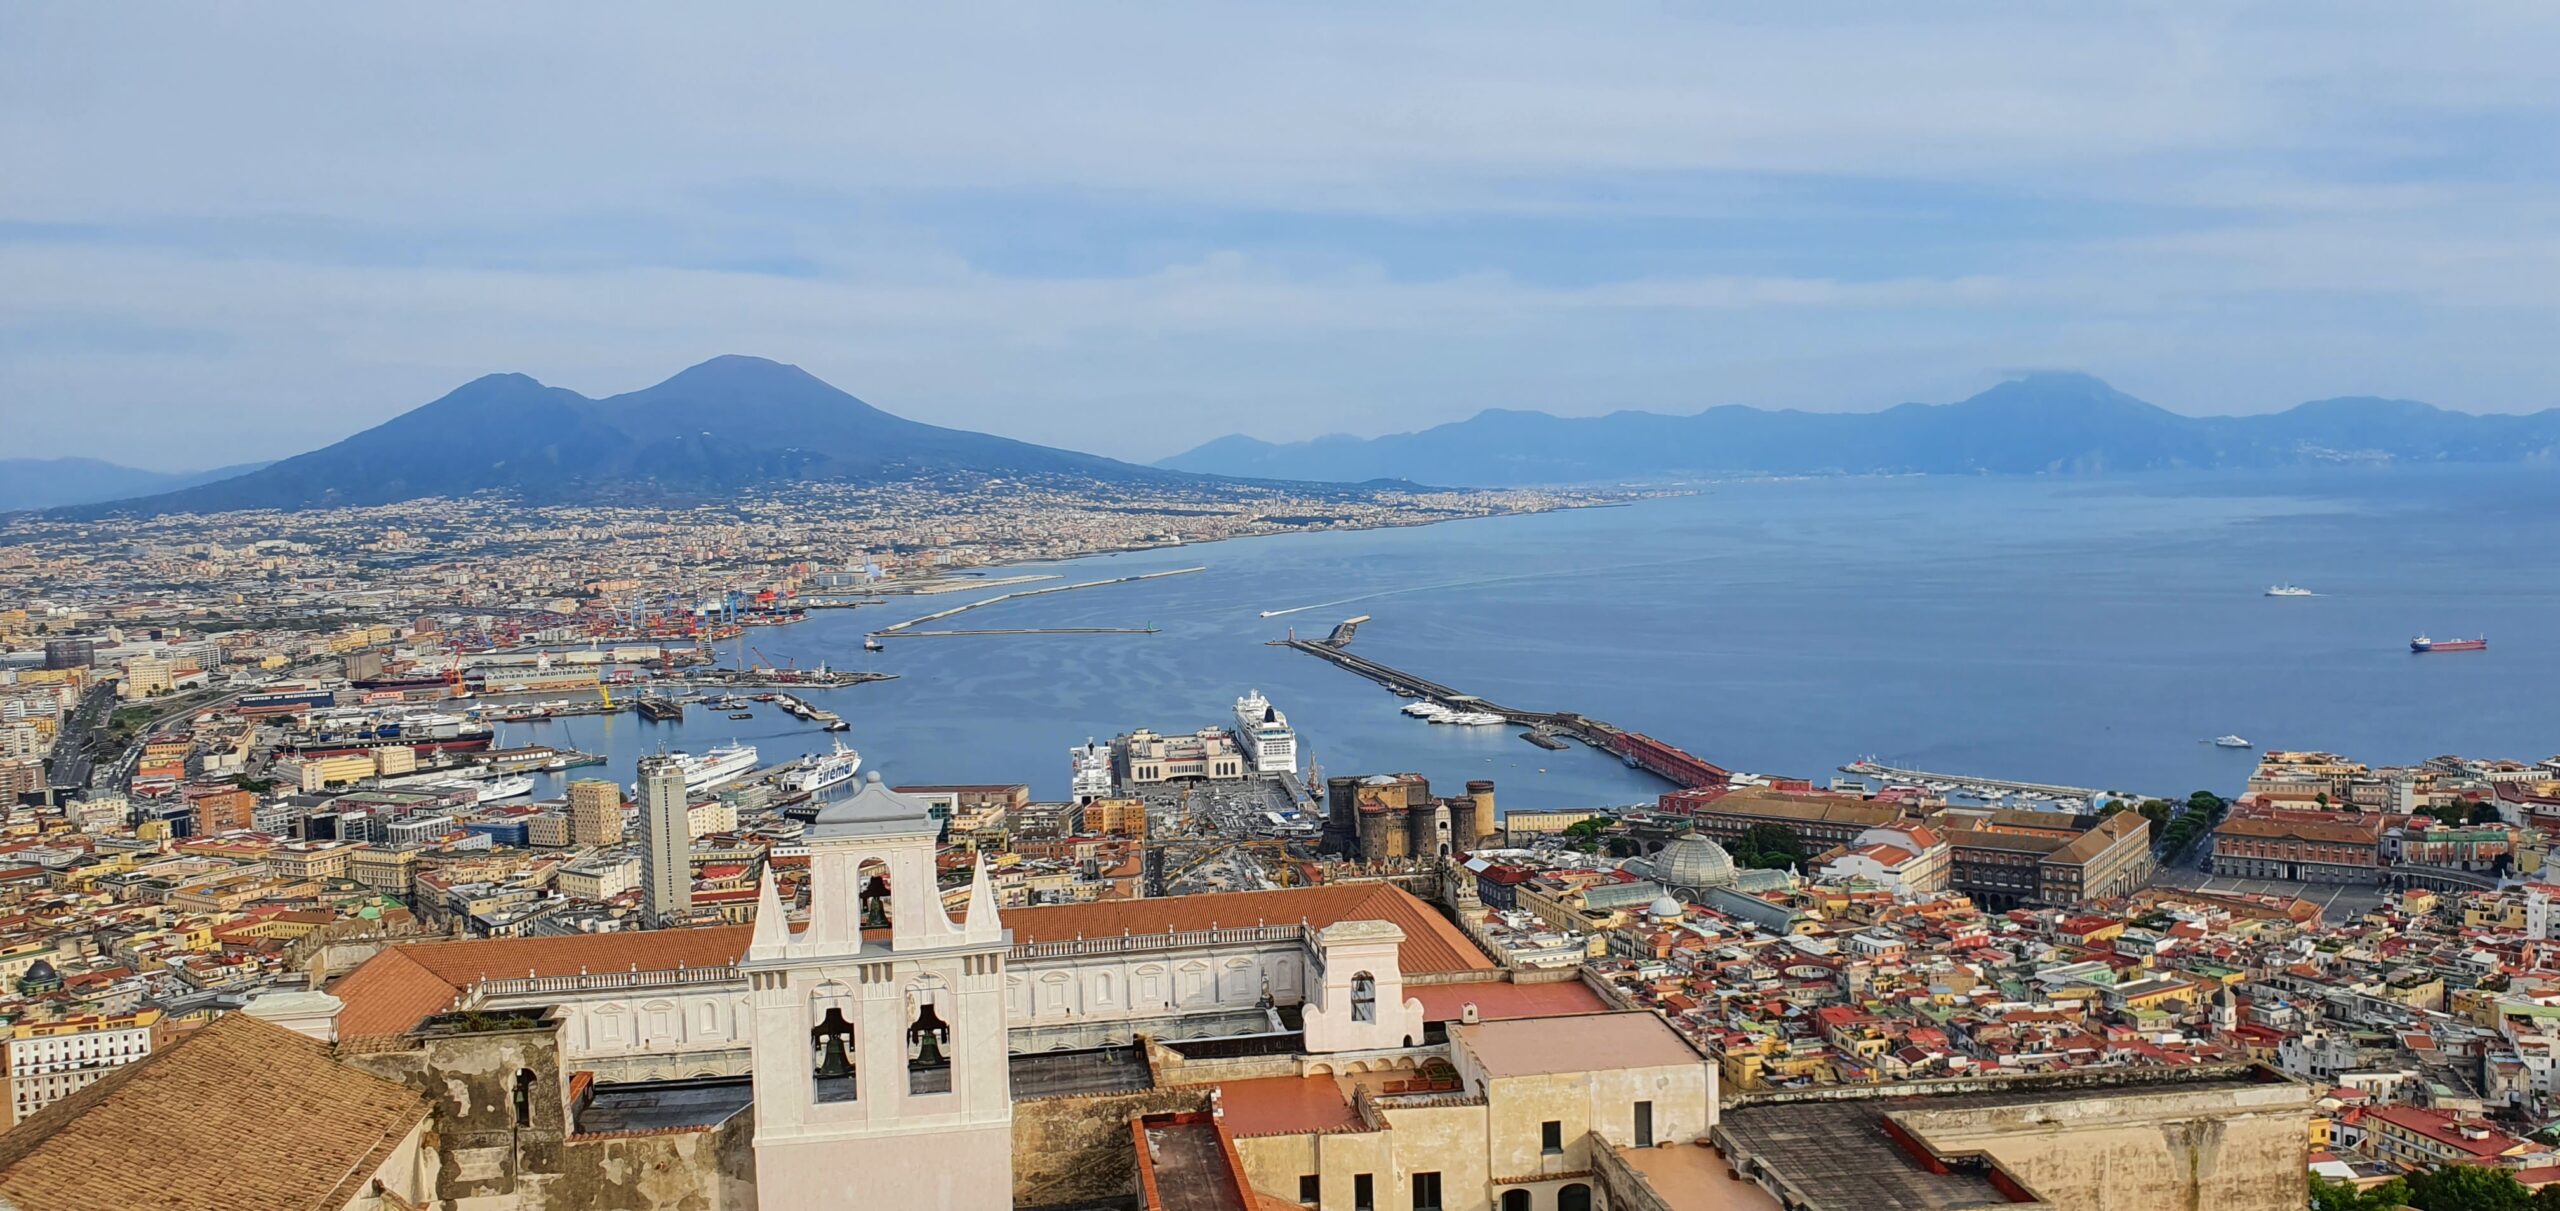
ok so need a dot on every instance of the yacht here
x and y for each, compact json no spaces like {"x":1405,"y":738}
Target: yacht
{"x":1470,"y":718}
{"x":2229,"y":742}
{"x":2289,"y":589}
{"x":1425,"y":710}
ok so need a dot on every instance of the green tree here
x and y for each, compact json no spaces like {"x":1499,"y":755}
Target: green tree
{"x":2327,"y":1195}
{"x":2207,"y":804}
{"x":2159,"y":813}
{"x":2468,"y":1188}
{"x":2546,"y":1198}
{"x":2484,"y":813}
{"x":1769,"y":847}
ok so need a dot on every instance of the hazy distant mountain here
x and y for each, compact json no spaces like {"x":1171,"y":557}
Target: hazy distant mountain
{"x":44,"y":483}
{"x":729,"y":423}
{"x":2040,"y":423}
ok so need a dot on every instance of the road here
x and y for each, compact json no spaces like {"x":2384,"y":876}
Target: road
{"x":72,"y":762}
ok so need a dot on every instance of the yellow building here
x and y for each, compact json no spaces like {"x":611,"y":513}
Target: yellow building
{"x":1516,"y":1117}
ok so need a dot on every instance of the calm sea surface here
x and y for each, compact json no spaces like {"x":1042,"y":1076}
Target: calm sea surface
{"x":2090,"y":632}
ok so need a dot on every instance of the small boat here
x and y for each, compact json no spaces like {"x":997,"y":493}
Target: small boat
{"x":873,"y":645}
{"x":2228,"y":742}
{"x":2424,"y":644}
{"x":2289,"y":589}
{"x":743,"y":715}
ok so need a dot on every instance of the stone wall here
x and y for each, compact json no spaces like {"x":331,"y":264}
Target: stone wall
{"x":1074,"y":1150}
{"x":708,"y":1170}
{"x":468,"y":1068}
{"x":2158,"y":1149}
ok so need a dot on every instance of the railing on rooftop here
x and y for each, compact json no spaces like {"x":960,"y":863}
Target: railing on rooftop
{"x":1175,"y":940}
{"x":606,"y":981}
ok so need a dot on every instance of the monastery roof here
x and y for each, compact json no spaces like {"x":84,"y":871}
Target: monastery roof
{"x":396,"y":989}
{"x":1497,"y":1001}
{"x":1546,"y":1046}
{"x":1285,"y":1105}
{"x":168,"y":1132}
{"x":1431,"y":944}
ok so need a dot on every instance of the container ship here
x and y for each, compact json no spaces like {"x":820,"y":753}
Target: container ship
{"x":818,"y":771}
{"x":428,"y":734}
{"x":2424,"y":644}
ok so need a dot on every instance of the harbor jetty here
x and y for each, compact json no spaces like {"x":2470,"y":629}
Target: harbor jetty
{"x":1545,"y":728}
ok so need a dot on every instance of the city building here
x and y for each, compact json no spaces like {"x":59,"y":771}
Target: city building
{"x":2322,"y":847}
{"x":595,"y":812}
{"x":666,"y":840}
{"x":47,"y":1061}
{"x":1147,"y":759}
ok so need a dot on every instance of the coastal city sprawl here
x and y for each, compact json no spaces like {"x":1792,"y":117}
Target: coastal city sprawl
{"x":260,"y":816}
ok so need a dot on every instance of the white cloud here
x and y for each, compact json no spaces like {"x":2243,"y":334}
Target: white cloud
{"x":244,"y":230}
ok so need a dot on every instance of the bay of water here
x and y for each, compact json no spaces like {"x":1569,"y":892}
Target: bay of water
{"x":2089,"y":632}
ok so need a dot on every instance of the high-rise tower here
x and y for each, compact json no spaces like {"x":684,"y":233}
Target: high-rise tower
{"x":665,"y":842}
{"x":881,"y":1077}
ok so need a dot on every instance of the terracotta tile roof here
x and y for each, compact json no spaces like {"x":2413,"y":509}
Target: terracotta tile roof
{"x":1494,"y":1002}
{"x":242,"y":1113}
{"x":1431,"y":943}
{"x":394,"y":990}
{"x":1285,"y":1105}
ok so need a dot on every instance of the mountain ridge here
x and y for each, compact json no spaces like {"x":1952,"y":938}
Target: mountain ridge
{"x":2044,"y":423}
{"x":722,"y":425}
{"x":45,"y":483}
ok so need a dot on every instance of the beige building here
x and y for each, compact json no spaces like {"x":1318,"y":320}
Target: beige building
{"x":321,"y":773}
{"x":145,"y":676}
{"x":1208,"y":754}
{"x":2226,"y":1138}
{"x":390,"y":870}
{"x":1511,"y":1119}
{"x":599,"y":877}
{"x":595,"y":812}
{"x":311,"y":859}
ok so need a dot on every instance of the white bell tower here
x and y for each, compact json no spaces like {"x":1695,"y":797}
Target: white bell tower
{"x":880,"y":1069}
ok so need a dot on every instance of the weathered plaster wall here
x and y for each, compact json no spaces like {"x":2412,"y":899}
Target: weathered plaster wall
{"x":1076,"y":1149}
{"x":2220,"y":1150}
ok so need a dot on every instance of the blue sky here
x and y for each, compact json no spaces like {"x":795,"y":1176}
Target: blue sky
{"x":232,"y":232}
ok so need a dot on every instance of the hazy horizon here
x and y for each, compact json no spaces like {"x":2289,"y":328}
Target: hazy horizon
{"x":235,"y":235}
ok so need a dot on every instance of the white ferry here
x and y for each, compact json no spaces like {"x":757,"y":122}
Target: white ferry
{"x":719,"y":764}
{"x":492,"y":790}
{"x":1263,"y":733}
{"x":818,"y":771}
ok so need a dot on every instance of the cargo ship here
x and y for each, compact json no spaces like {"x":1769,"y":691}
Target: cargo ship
{"x":2424,"y":644}
{"x":429,"y":734}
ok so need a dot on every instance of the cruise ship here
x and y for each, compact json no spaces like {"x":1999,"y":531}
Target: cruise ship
{"x":818,"y":771}
{"x":721,"y":763}
{"x":1263,"y":733}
